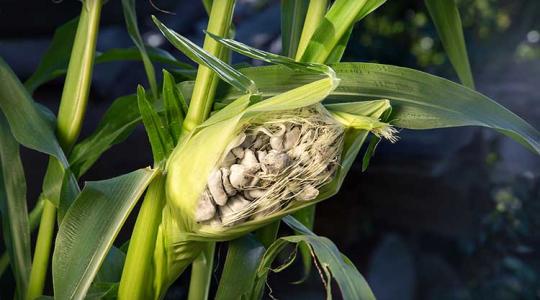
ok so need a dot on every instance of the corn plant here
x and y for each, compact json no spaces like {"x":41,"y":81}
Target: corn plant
{"x":231,"y":162}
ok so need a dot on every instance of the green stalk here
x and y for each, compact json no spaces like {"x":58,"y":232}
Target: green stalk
{"x":204,"y":90}
{"x":315,"y":14}
{"x":70,"y":119}
{"x":42,"y":252}
{"x":201,"y":273}
{"x":136,"y":282}
{"x":206,"y":81}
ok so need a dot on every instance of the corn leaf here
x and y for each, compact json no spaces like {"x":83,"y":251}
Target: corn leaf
{"x":130,"y":17}
{"x":331,"y":263}
{"x":199,"y":55}
{"x":293,"y":13}
{"x":115,"y":126}
{"x":28,"y":124}
{"x":419,"y":100}
{"x":54,"y":62}
{"x":207,"y":5}
{"x":271,"y":57}
{"x":337,"y":53}
{"x":89,"y":229}
{"x":243,"y":257}
{"x":174,"y":104}
{"x":337,"y":22}
{"x":59,"y":186}
{"x":111,"y":269}
{"x":445,"y":15}
{"x":160,"y":138}
{"x":15,"y":222}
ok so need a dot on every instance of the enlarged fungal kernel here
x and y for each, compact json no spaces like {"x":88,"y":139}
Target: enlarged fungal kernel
{"x":205,"y":208}
{"x":291,"y":138}
{"x":275,"y":161}
{"x":239,"y":177}
{"x":308,"y":193}
{"x":215,"y":186}
{"x":250,"y":161}
{"x":254,"y":194}
{"x":229,"y":211}
{"x":229,"y":189}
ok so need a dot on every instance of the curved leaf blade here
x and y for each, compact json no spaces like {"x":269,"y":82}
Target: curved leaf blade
{"x":243,"y":257}
{"x":15,"y":221}
{"x":130,"y":17}
{"x":55,"y":60}
{"x":89,"y":229}
{"x":330,"y":261}
{"x":419,"y":100}
{"x":29,"y":125}
{"x":115,"y":126}
{"x":293,"y":13}
{"x":200,"y":56}
{"x":445,"y":16}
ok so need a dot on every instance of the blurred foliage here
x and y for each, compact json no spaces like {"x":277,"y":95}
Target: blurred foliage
{"x":502,"y":262}
{"x":401,"y":31}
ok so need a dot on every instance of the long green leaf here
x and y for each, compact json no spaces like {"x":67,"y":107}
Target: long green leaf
{"x":445,"y":15}
{"x":130,"y":17}
{"x":199,"y":55}
{"x":30,"y":125}
{"x":331,"y":263}
{"x":419,"y":100}
{"x":15,"y":223}
{"x":160,"y":138}
{"x":89,"y":229}
{"x":55,"y":60}
{"x":243,"y":257}
{"x":293,"y":13}
{"x":337,"y":53}
{"x":336,"y":23}
{"x":175,"y":106}
{"x":271,"y":57}
{"x":115,"y":126}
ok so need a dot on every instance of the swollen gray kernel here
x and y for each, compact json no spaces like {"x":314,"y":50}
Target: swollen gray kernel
{"x":250,"y":161}
{"x":205,"y":208}
{"x":291,"y":138}
{"x":235,"y":204}
{"x":254,"y":194}
{"x":229,"y":189}
{"x":261,"y":155}
{"x":240,"y":177}
{"x":276,"y":142}
{"x":215,"y":186}
{"x":275,"y":161}
{"x":308,"y":193}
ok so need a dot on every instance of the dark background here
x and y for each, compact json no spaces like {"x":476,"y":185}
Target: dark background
{"x":443,"y":214}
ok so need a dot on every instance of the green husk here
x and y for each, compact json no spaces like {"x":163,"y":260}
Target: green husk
{"x":191,"y":162}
